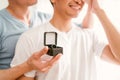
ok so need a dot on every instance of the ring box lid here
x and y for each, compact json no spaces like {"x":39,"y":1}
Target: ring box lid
{"x":50,"y":38}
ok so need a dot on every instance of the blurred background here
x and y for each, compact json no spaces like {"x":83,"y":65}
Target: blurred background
{"x":105,"y":71}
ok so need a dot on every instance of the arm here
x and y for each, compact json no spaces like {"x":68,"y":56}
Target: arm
{"x":26,"y":78}
{"x":112,"y":34}
{"x":88,"y":19}
{"x":108,"y":56}
{"x":33,"y":63}
{"x":15,"y":72}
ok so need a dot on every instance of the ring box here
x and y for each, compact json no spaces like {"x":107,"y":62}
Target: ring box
{"x":50,"y":40}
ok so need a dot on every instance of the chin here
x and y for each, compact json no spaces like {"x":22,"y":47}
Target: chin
{"x":32,"y":4}
{"x":75,"y":16}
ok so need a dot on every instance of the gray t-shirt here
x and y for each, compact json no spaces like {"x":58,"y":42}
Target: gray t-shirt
{"x":10,"y":30}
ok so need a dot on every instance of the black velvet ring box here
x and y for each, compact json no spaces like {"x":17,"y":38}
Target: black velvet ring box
{"x":50,"y":40}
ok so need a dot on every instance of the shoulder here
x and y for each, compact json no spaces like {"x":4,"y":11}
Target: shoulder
{"x":86,"y":32}
{"x":34,"y":35}
{"x":4,"y":16}
{"x":1,"y":25}
{"x":2,"y":13}
{"x":3,"y":20}
{"x":43,"y":15}
{"x":36,"y":31}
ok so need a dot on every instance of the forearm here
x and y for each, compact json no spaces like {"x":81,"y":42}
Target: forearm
{"x":26,"y":78}
{"x":88,"y":20}
{"x":108,"y":56}
{"x":14,"y":72}
{"x":111,"y":32}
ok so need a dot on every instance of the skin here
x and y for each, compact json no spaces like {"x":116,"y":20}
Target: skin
{"x":112,"y":51}
{"x":88,"y":19}
{"x":20,"y":10}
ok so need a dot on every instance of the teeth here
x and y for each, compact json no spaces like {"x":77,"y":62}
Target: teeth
{"x":75,"y":7}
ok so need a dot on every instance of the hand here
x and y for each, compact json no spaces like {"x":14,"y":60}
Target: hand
{"x":89,"y":3}
{"x":95,"y":5}
{"x":35,"y":62}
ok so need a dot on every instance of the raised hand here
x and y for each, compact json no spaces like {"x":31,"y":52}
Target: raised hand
{"x":95,"y":5}
{"x":89,"y":2}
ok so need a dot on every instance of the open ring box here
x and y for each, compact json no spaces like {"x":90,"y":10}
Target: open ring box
{"x":50,"y":40}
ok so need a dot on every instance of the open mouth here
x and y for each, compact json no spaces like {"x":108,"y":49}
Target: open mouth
{"x":75,"y":7}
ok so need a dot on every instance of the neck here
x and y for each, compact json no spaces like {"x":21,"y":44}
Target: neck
{"x":20,"y":13}
{"x":61,"y":23}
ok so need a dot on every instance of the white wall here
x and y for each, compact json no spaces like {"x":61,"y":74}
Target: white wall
{"x":45,"y":6}
{"x":3,"y":4}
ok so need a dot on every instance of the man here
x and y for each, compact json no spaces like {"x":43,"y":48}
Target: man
{"x":14,"y":20}
{"x":79,"y":45}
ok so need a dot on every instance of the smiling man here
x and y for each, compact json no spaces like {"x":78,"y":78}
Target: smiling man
{"x":79,"y":45}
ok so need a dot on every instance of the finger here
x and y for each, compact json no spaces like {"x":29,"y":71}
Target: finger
{"x":46,"y":69}
{"x":49,"y":63}
{"x":53,"y":60}
{"x":42,"y":52}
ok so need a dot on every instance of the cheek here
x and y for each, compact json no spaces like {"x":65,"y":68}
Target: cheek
{"x":61,"y":4}
{"x":20,"y":2}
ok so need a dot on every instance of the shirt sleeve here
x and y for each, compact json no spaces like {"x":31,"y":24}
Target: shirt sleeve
{"x":22,"y":52}
{"x":99,"y":44}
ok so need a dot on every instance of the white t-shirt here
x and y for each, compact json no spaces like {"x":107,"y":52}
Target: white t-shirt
{"x":79,"y":49}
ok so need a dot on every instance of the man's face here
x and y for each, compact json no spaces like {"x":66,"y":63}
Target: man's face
{"x":70,"y":8}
